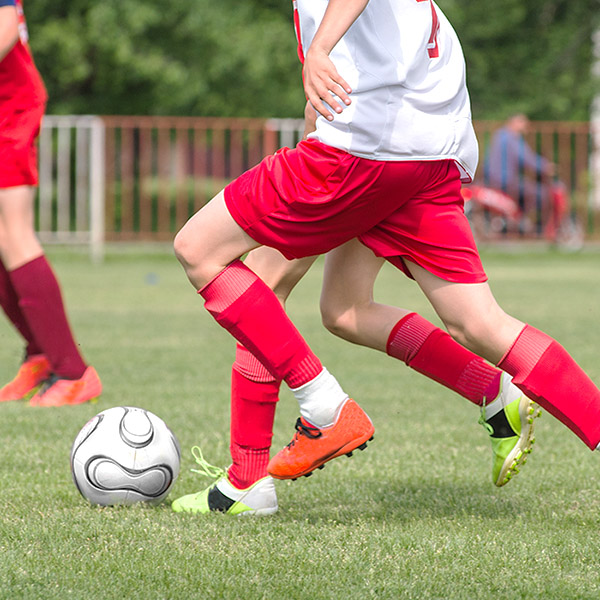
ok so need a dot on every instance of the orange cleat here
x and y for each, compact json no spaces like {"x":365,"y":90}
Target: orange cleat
{"x":61,"y":392}
{"x":311,"y":447}
{"x":34,"y":370}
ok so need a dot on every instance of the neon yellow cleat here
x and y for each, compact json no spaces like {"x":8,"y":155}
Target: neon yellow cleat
{"x":509,"y":420}
{"x":258,"y":499}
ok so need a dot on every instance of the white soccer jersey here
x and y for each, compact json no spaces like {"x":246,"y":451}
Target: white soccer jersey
{"x":406,"y":69}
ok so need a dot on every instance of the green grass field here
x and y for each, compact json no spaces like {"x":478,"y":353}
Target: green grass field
{"x":415,"y":516}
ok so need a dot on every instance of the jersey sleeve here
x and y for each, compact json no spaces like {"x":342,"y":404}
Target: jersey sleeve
{"x":8,"y":2}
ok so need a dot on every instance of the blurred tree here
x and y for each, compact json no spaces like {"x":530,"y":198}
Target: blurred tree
{"x":238,"y":58}
{"x":533,"y":57}
{"x":189,"y":57}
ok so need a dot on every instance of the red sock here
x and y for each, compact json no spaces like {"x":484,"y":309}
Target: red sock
{"x":544,"y":370}
{"x":244,"y":305}
{"x":41,"y":303}
{"x":253,"y":406}
{"x":10,"y":304}
{"x":254,"y":394}
{"x":432,"y":352}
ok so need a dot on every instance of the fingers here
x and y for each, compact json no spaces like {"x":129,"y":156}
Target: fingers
{"x":325,"y":88}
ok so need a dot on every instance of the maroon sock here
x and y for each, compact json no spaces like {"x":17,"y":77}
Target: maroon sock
{"x":10,"y":304}
{"x":432,"y":352}
{"x":41,"y":303}
{"x":244,"y":305}
{"x":544,"y":370}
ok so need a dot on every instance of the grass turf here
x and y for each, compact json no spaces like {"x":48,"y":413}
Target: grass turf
{"x":415,"y":516}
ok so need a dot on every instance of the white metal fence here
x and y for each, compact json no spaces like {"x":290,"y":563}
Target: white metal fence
{"x":70,"y":201}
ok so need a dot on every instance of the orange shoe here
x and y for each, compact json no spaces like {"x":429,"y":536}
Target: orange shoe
{"x":34,"y":370}
{"x":311,"y":447}
{"x":60,"y":392}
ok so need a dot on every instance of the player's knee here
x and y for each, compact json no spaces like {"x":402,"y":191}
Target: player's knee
{"x":335,"y":319}
{"x":469,"y":333}
{"x":183,"y":248}
{"x":189,"y":255}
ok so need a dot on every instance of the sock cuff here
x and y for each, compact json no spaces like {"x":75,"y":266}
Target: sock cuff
{"x":525,"y":352}
{"x":251,"y":367}
{"x":479,"y":380}
{"x":407,"y":337}
{"x":226,"y":287}
{"x":305,"y":371}
{"x":33,"y":263}
{"x":249,"y":465}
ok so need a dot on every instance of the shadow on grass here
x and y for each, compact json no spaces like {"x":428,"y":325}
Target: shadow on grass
{"x":371,"y":499}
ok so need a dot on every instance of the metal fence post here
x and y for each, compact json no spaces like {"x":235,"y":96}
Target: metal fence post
{"x":96,"y":188}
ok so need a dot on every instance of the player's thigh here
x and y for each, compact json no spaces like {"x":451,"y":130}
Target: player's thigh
{"x":211,"y":240}
{"x":470,"y":313}
{"x":349,"y":276}
{"x":279,"y":273}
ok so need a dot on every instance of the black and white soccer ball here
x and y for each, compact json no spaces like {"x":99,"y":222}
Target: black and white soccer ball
{"x":125,"y":455}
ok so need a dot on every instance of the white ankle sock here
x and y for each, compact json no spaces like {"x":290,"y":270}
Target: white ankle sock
{"x":507,"y":393}
{"x":320,"y":399}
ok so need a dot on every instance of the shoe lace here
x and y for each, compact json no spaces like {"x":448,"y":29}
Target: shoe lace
{"x":205,"y":467}
{"x":48,"y":383}
{"x":304,"y":429}
{"x":482,"y":421}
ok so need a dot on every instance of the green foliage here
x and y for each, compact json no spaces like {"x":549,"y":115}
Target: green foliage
{"x":533,"y":57}
{"x":190,"y":57}
{"x":232,"y":58}
{"x":415,"y":516}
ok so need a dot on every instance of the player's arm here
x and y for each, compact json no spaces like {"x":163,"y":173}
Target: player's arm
{"x":9,"y":27}
{"x":321,"y":79}
{"x":310,"y":120}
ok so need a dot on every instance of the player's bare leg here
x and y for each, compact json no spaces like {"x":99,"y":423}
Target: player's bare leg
{"x":31,"y":298}
{"x":18,"y":242}
{"x":209,"y":247}
{"x":349,"y":311}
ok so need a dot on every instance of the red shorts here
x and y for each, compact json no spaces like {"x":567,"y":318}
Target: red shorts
{"x":19,"y":128}
{"x":313,"y":198}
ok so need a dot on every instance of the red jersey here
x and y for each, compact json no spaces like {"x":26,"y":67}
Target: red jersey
{"x":20,"y":82}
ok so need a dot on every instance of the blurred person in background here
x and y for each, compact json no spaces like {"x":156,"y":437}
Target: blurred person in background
{"x":53,"y":372}
{"x":529,"y":178}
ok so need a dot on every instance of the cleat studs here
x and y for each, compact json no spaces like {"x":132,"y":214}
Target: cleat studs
{"x":321,"y":467}
{"x":348,"y":454}
{"x":362,"y":446}
{"x":308,"y":474}
{"x":294,"y":478}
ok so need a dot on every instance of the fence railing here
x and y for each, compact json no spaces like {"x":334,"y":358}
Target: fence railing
{"x":70,"y":199}
{"x":575,"y":150}
{"x":140,"y":178}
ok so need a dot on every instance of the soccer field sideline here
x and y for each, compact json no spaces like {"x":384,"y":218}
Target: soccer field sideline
{"x":415,"y":516}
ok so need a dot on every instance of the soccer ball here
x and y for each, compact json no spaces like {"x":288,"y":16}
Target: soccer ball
{"x":125,"y":455}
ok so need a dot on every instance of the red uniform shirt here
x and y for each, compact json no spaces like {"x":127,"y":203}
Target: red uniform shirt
{"x":20,"y":82}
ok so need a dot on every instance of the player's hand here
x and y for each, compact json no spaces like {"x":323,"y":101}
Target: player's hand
{"x":322,"y":83}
